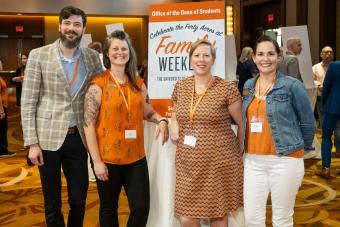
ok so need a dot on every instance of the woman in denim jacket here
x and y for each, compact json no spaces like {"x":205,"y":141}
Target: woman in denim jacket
{"x":279,"y":128}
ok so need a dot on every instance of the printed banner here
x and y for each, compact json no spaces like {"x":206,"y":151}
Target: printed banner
{"x":172,"y":30}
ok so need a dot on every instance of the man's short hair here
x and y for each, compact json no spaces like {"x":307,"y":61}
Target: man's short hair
{"x":68,"y":11}
{"x":292,"y":40}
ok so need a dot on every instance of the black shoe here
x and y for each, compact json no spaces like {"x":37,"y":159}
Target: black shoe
{"x":7,"y":154}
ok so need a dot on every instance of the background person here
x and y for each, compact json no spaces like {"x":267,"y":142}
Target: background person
{"x":97,"y":46}
{"x":19,"y":76}
{"x":319,"y":72}
{"x":115,"y":106}
{"x":280,"y":127}
{"x":246,"y":67}
{"x":143,"y":71}
{"x":4,"y":152}
{"x":331,"y":107}
{"x":209,"y":167}
{"x":289,"y":64}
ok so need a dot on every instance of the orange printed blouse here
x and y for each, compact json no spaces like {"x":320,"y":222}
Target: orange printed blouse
{"x":3,"y":92}
{"x":262,"y":143}
{"x":114,"y":119}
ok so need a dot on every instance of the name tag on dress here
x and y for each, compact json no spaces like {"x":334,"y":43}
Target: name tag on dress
{"x":131,"y":134}
{"x":256,"y":126}
{"x":190,"y":141}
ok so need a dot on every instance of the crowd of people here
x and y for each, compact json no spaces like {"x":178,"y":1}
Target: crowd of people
{"x":77,"y":101}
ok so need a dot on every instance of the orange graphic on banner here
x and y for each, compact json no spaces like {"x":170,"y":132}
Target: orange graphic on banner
{"x":186,"y":11}
{"x":162,"y":106}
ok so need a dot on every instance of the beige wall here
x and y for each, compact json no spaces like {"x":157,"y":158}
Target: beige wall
{"x":291,"y":12}
{"x":313,"y":29}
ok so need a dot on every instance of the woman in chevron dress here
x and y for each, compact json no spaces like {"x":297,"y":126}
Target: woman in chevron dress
{"x":209,"y":167}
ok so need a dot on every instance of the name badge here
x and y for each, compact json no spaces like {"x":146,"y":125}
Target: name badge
{"x":131,"y":134}
{"x":190,"y":141}
{"x":256,"y":126}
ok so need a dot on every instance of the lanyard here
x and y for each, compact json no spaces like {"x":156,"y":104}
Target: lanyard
{"x":126,"y":101}
{"x":260,"y":97}
{"x":193,"y":106}
{"x":75,"y":73}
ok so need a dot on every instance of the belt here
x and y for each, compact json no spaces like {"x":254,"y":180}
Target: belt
{"x":72,"y":130}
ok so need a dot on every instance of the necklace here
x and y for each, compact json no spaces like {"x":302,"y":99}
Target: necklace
{"x":266,"y":89}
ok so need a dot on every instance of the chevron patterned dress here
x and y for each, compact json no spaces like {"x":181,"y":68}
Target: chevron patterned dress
{"x":209,"y":177}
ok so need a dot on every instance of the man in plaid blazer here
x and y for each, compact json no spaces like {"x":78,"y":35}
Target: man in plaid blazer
{"x":52,"y":106}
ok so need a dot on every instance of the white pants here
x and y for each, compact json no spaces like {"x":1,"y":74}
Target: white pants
{"x":282,"y":176}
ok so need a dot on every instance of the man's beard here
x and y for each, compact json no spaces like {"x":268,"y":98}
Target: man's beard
{"x":70,"y":43}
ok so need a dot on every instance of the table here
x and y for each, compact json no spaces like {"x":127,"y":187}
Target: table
{"x":162,"y":174}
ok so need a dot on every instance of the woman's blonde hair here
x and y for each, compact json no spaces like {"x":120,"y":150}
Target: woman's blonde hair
{"x":246,"y":54}
{"x":202,"y":42}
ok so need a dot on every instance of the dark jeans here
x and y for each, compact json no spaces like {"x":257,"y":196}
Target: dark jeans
{"x":3,"y":134}
{"x":18,"y":94}
{"x":135,"y":179}
{"x":328,"y":126}
{"x":319,"y":108}
{"x":337,"y":136}
{"x":72,"y":157}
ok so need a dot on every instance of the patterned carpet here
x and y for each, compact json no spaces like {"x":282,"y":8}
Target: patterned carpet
{"x":21,"y":204}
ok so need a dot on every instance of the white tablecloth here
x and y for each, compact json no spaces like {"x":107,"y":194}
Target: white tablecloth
{"x":161,"y":163}
{"x":316,"y":154}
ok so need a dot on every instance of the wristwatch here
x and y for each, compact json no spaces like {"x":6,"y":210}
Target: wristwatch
{"x":164,"y":119}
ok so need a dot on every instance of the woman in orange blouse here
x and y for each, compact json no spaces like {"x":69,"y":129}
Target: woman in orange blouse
{"x":280,"y":126}
{"x":3,"y":119}
{"x":116,"y":104}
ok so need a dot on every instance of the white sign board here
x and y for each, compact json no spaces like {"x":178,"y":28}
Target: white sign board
{"x":305,"y":60}
{"x":86,"y":40}
{"x":112,"y":27}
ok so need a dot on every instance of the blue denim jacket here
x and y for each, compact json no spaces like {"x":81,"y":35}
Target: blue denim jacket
{"x":289,"y":113}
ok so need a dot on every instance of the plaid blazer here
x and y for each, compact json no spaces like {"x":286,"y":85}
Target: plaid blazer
{"x":46,"y":103}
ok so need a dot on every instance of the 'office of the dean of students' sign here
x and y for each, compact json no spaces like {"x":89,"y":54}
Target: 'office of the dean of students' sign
{"x":172,"y":30}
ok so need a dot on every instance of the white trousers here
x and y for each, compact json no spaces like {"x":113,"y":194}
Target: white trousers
{"x":282,"y":177}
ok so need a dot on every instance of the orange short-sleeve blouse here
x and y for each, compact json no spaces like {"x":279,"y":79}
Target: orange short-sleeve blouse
{"x":3,"y":92}
{"x":114,"y":119}
{"x":262,"y":143}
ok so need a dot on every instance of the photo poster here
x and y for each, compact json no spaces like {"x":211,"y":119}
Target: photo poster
{"x":172,"y":30}
{"x":112,"y":27}
{"x":86,"y":40}
{"x":305,"y":59}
